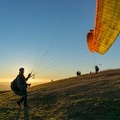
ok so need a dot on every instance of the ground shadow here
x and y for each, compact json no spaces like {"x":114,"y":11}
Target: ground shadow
{"x":18,"y":115}
{"x":26,"y":113}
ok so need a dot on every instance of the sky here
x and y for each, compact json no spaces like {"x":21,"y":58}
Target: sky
{"x":48,"y":38}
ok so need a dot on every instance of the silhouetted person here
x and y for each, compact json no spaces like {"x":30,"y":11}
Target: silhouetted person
{"x":78,"y":73}
{"x":52,"y":80}
{"x":96,"y":69}
{"x":21,"y":80}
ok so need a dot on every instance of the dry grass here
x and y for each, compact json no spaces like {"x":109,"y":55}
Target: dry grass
{"x":86,"y":97}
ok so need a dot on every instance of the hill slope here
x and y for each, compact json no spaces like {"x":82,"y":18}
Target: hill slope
{"x":86,"y":97}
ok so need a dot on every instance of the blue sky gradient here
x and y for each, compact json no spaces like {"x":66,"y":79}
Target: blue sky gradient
{"x":49,"y":37}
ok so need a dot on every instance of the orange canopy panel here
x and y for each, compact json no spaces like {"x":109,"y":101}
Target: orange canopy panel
{"x":107,"y":26}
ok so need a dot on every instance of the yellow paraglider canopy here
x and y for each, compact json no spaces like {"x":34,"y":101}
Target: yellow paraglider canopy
{"x":107,"y":26}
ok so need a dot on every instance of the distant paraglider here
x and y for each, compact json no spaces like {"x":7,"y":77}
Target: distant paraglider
{"x":107,"y":26}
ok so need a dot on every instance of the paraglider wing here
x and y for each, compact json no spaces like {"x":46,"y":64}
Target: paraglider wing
{"x":107,"y":25}
{"x":90,"y":40}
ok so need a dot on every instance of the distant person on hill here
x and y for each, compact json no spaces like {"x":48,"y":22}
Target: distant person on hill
{"x":78,"y":73}
{"x":96,"y":69}
{"x":23,"y":87}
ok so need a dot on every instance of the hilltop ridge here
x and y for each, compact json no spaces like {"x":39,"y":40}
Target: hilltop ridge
{"x":85,"y":97}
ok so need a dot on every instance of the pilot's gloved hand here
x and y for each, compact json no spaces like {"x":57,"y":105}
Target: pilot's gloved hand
{"x":29,"y":75}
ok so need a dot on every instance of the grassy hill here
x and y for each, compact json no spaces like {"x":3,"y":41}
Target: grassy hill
{"x":86,"y":97}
